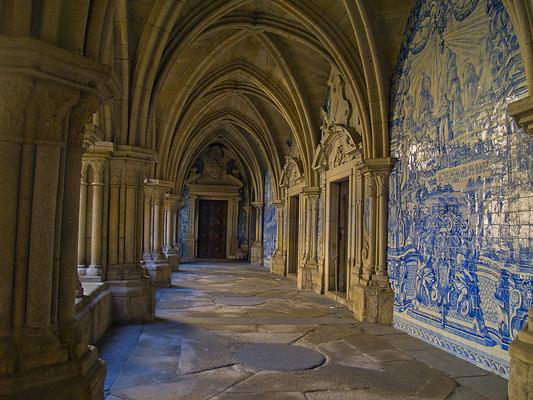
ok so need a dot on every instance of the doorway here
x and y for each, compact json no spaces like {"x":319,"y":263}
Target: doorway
{"x":294,"y":226}
{"x":212,"y":219}
{"x":338,"y":270}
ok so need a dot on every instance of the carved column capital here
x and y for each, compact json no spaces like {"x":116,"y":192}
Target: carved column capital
{"x":258,"y":206}
{"x":522,"y":111}
{"x":279,"y":204}
{"x":172,"y":202}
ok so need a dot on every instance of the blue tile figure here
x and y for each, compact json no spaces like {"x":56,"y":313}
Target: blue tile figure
{"x":269,"y":224}
{"x":184,"y":221}
{"x":460,"y":206}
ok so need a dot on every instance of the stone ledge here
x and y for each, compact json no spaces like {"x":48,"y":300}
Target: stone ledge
{"x":94,"y":311}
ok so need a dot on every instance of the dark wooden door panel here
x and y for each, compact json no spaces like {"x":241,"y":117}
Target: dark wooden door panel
{"x":212,"y":229}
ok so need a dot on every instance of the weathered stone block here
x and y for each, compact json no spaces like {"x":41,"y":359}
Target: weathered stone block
{"x":160,"y":273}
{"x":277,"y":264}
{"x":133,"y":301}
{"x":372,"y":304}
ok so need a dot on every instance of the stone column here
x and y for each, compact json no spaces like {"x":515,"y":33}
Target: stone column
{"x":521,"y":360}
{"x":82,"y":216}
{"x":257,"y":249}
{"x":309,"y":279}
{"x":133,"y":295}
{"x":277,"y":265}
{"x":147,"y":224}
{"x":40,"y":157}
{"x":233,"y":224}
{"x":190,"y":241}
{"x":172,"y":207}
{"x":155,"y":262}
{"x":372,"y":295}
{"x":358,"y":231}
{"x":95,"y":268}
{"x":521,"y":349}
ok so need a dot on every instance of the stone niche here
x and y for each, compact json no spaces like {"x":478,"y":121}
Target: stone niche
{"x":214,"y":176}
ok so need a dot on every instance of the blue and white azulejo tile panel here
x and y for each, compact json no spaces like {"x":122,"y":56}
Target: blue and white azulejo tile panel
{"x":461,"y":193}
{"x":269,"y":221}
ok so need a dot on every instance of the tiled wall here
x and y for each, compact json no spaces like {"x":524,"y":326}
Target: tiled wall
{"x":184,"y":221}
{"x":269,"y":218}
{"x":461,"y":193}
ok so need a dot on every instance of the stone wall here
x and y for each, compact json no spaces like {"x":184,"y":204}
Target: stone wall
{"x":460,"y":211}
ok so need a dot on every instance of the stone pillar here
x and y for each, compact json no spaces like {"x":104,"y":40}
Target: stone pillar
{"x":372,"y":295}
{"x":82,"y":216}
{"x":521,"y":360}
{"x":95,"y":268}
{"x":172,"y":207}
{"x":256,"y":256}
{"x":147,"y":223}
{"x":41,"y":119}
{"x":133,"y":295}
{"x":192,"y":235}
{"x":308,"y":278}
{"x":233,"y":224}
{"x":277,"y":265}
{"x":521,"y":349}
{"x":154,"y":259}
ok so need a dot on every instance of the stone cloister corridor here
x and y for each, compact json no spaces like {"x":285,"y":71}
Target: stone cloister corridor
{"x":313,"y":199}
{"x":222,"y":329}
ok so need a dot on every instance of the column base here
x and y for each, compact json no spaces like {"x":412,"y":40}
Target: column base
{"x":81,"y":379}
{"x":277,"y":264}
{"x":309,"y":278}
{"x":133,"y":301}
{"x":93,"y":271}
{"x":160,"y":272}
{"x":521,"y":360}
{"x":256,"y":254}
{"x":173,"y":260}
{"x":372,"y":304}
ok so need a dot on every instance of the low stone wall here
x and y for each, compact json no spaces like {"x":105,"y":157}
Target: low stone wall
{"x":94,"y":312}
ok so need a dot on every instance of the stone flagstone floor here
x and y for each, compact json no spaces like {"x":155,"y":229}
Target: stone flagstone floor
{"x":231,"y":331}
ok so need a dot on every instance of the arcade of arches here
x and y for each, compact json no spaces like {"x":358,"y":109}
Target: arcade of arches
{"x":378,"y":152}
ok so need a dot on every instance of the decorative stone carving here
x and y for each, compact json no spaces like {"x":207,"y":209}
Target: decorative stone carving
{"x":292,"y":174}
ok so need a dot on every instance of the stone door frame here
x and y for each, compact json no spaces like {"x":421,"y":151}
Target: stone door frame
{"x":334,"y":177}
{"x":228,"y":193}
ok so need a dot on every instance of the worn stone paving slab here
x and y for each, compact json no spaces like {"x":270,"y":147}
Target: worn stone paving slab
{"x":278,"y":357}
{"x":146,"y":369}
{"x":189,"y":351}
{"x":192,"y":387}
{"x":261,"y":396}
{"x":354,"y":395}
{"x":240,"y":301}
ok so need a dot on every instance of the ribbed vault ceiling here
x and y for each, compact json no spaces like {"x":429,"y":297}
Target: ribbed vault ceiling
{"x":254,"y":73}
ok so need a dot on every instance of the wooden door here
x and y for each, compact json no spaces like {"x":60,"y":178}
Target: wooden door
{"x":212,"y":216}
{"x":343,"y":236}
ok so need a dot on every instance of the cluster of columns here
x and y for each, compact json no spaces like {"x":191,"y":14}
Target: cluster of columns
{"x":91,"y":211}
{"x":45,"y":105}
{"x":372,"y":296}
{"x":110,"y":227}
{"x":309,"y":277}
{"x":154,"y":259}
{"x":172,"y":248}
